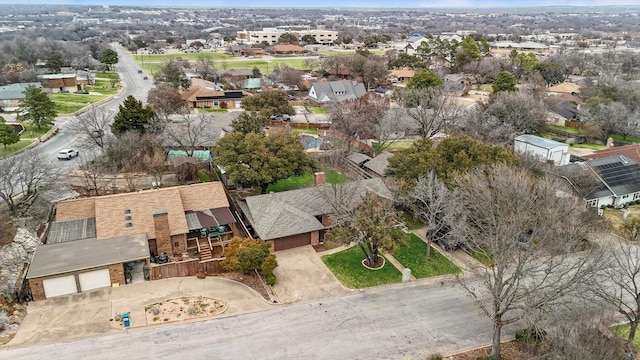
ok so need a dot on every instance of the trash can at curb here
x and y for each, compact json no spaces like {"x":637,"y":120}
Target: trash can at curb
{"x":125,"y":320}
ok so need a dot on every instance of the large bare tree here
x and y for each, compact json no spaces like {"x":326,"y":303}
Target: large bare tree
{"x":93,"y":126}
{"x":191,"y":133}
{"x":165,"y":100}
{"x":430,"y":109}
{"x":357,"y":118}
{"x":529,"y":234}
{"x":22,"y":177}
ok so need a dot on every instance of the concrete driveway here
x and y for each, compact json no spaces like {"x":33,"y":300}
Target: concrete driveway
{"x":88,"y":313}
{"x":301,"y":276}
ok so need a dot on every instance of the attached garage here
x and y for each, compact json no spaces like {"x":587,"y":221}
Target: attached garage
{"x":80,"y":265}
{"x":58,"y":286}
{"x":291,"y":242}
{"x":94,"y":279}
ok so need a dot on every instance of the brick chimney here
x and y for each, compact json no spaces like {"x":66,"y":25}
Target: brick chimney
{"x":318,"y":178}
{"x":163,"y":235}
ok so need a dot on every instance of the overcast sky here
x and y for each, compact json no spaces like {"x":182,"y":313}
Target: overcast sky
{"x":335,"y":3}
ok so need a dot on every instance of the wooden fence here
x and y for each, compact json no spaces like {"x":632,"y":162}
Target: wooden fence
{"x":185,"y":268}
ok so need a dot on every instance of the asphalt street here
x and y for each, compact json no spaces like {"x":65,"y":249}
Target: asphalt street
{"x":399,"y":322}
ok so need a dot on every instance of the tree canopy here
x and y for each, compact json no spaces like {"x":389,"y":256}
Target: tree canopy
{"x":504,"y":82}
{"x":249,"y":121}
{"x":37,"y":107}
{"x":255,"y":159}
{"x":172,"y":73}
{"x":109,"y":57}
{"x":424,"y":79}
{"x":8,"y":135}
{"x":132,"y":115}
{"x":267,"y":103}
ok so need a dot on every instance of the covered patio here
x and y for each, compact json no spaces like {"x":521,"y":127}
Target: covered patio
{"x":210,"y":231}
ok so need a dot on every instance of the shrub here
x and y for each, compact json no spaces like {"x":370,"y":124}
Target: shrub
{"x":245,"y":255}
{"x":192,"y":310}
{"x":4,"y":319}
{"x":435,"y":357}
{"x":270,"y":279}
{"x":269,"y":264}
{"x":155,"y":310}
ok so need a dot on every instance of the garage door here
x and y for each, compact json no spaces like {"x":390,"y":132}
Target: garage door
{"x":59,"y":286}
{"x":94,"y":280}
{"x":292,"y":242}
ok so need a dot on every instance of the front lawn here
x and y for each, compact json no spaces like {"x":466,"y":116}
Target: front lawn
{"x":211,"y":110}
{"x":317,"y":109}
{"x":297,"y":131}
{"x":596,"y":147}
{"x":629,"y":139}
{"x":32,"y":132}
{"x":70,"y":103}
{"x":409,"y":221}
{"x":622,"y":331}
{"x":347,"y":267}
{"x":565,"y":129}
{"x":14,"y":148}
{"x":104,"y":75}
{"x":412,"y":255}
{"x":484,"y":256}
{"x":294,"y":182}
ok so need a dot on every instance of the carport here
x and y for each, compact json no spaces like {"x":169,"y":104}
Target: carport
{"x":81,"y":265}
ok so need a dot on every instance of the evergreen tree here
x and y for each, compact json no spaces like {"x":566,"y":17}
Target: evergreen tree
{"x":37,"y":107}
{"x":132,"y":116}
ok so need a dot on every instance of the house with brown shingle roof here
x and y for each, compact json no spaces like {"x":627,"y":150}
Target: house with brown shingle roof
{"x":92,"y":240}
{"x":200,"y":97}
{"x":401,"y":75}
{"x":628,"y":151}
{"x":53,"y":83}
{"x":287,"y":49}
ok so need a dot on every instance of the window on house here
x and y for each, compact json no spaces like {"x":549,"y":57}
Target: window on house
{"x":216,"y":103}
{"x":176,"y":244}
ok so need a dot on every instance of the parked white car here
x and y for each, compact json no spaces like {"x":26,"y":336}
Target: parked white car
{"x":67,"y":154}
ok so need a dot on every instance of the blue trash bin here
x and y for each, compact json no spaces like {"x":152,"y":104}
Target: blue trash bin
{"x":125,"y":320}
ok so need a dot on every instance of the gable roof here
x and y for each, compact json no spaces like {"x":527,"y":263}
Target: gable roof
{"x":325,"y":92}
{"x":294,"y":212}
{"x":110,"y":210}
{"x":379,"y":163}
{"x":402,"y":73}
{"x":540,"y":141}
{"x":631,"y":152}
{"x":564,"y":88}
{"x":16,"y":91}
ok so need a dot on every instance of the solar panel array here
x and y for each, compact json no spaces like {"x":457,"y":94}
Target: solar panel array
{"x":623,"y":179}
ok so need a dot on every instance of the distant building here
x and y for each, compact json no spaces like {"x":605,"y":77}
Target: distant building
{"x":326,"y":92}
{"x":271,"y":35}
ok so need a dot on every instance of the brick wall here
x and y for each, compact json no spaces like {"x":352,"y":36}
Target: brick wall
{"x":315,"y":238}
{"x":116,"y":273}
{"x":37,"y":289}
{"x":163,"y":237}
{"x":179,"y":244}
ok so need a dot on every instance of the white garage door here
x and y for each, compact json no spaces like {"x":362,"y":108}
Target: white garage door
{"x":94,"y":279}
{"x":59,"y":286}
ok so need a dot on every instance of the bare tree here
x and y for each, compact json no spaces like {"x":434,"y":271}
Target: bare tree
{"x":93,"y":126}
{"x":614,"y":118}
{"x":191,"y":133}
{"x":529,"y":234}
{"x":618,"y":285}
{"x":431,"y":110}
{"x":165,"y":100}
{"x":430,"y":202}
{"x":357,"y":118}
{"x":393,"y":125}
{"x":22,"y":177}
{"x":285,"y":74}
{"x":483,"y":70}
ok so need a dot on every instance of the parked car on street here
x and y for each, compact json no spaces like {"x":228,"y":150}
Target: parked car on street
{"x":139,"y":71}
{"x":280,"y":117}
{"x":67,"y":154}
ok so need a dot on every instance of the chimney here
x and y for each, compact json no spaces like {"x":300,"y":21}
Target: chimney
{"x":318,"y":178}
{"x":163,"y":236}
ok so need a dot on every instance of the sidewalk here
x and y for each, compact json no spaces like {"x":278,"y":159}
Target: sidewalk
{"x":87,"y":314}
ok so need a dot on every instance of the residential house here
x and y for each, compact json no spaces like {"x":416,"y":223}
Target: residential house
{"x":199,"y":97}
{"x":12,"y":94}
{"x":616,"y":180}
{"x":329,"y":91}
{"x":301,"y":217}
{"x":375,"y":166}
{"x":631,"y":152}
{"x":94,"y":241}
{"x":53,"y":83}
{"x":401,"y":75}
{"x":287,"y":49}
{"x":236,"y":75}
{"x":563,"y":88}
{"x":458,"y":89}
{"x":544,"y":149}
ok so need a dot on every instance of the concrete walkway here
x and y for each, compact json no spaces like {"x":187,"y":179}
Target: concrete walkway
{"x":89,"y":313}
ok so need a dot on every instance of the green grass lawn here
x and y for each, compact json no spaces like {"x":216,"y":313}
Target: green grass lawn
{"x":629,"y":139}
{"x":70,"y":103}
{"x":13,"y":148}
{"x":297,"y":131}
{"x":622,"y":331}
{"x":103,"y":75}
{"x":485,"y":257}
{"x":316,"y":109}
{"x":215,"y":56}
{"x":409,"y":221}
{"x":347,"y":267}
{"x":596,"y":147}
{"x":569,"y":130}
{"x":294,"y":182}
{"x":396,"y":145}
{"x":210,"y":110}
{"x":108,"y":90}
{"x":31,"y":131}
{"x":412,"y":255}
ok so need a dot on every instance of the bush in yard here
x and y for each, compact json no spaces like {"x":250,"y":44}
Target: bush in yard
{"x":4,"y":319}
{"x":245,"y":255}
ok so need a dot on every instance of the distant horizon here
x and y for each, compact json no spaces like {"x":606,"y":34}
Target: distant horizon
{"x":333,"y":4}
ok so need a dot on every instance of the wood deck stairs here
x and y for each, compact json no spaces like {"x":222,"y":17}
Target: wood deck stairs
{"x":204,"y":248}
